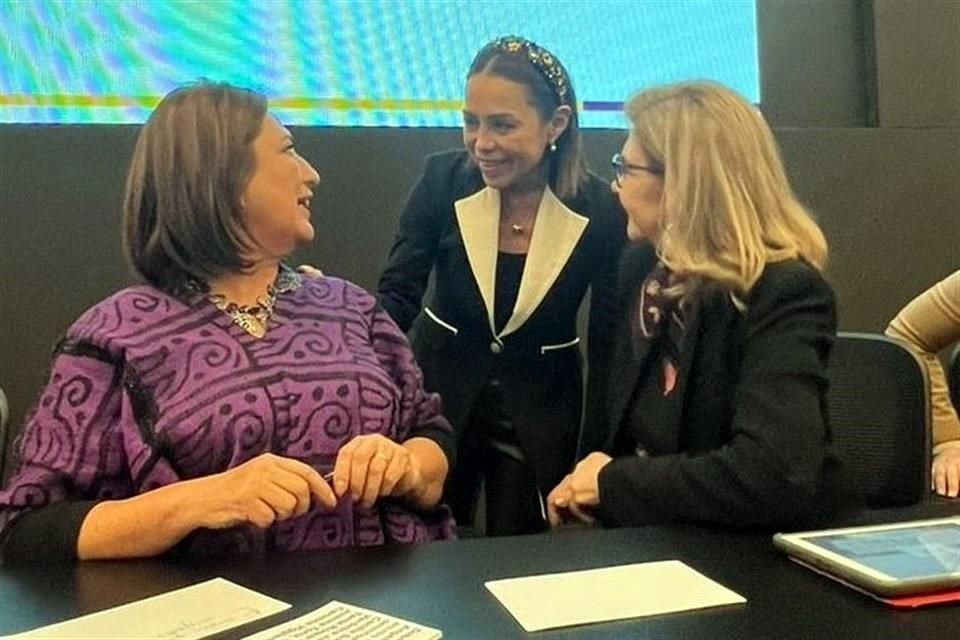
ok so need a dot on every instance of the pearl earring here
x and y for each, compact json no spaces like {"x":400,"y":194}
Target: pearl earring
{"x":553,"y":146}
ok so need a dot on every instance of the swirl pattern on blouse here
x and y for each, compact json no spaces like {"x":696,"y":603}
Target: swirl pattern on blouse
{"x":146,"y":390}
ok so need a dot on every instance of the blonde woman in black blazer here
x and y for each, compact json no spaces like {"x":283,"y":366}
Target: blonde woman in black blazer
{"x":716,"y":406}
{"x":516,"y":231}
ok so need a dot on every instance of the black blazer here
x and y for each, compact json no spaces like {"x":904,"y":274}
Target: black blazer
{"x":751,"y":443}
{"x":450,"y":226}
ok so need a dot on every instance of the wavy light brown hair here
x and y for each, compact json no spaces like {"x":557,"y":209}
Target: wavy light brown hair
{"x":183,"y":218}
{"x":728,"y":208}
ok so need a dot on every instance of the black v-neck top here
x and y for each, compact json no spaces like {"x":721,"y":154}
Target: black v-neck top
{"x":509,"y":273}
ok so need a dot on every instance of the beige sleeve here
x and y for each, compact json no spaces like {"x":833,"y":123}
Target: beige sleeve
{"x":931,"y":322}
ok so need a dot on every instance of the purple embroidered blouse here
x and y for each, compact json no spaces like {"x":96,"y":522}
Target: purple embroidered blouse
{"x":146,"y":390}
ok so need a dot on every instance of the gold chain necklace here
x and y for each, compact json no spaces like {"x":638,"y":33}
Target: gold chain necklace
{"x":519,"y":229}
{"x":254,"y":318}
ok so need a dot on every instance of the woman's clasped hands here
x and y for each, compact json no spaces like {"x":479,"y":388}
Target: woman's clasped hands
{"x":272,"y":488}
{"x":373,"y":466}
{"x":572,"y":500}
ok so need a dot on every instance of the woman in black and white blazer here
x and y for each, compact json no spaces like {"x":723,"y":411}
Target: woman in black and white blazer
{"x":516,"y":230}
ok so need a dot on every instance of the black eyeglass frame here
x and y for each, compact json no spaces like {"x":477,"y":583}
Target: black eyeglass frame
{"x":621,"y":168}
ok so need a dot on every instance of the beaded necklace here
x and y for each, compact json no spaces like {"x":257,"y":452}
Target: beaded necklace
{"x":254,"y":318}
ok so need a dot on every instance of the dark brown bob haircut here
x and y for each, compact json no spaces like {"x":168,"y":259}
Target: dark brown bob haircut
{"x":183,"y":222}
{"x":567,"y":168}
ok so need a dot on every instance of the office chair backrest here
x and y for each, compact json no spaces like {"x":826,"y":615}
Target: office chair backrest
{"x":953,"y":377}
{"x":880,"y":415}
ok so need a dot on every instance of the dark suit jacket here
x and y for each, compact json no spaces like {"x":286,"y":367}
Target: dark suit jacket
{"x":450,"y":225}
{"x":751,"y":444}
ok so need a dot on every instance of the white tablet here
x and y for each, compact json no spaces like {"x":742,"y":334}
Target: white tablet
{"x":889,"y":560}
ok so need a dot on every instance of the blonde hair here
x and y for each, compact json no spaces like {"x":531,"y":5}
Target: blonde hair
{"x":728,"y":208}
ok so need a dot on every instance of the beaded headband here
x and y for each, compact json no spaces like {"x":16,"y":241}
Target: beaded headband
{"x":544,"y":62}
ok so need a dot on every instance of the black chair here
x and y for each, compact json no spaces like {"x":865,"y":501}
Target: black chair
{"x":880,"y":413}
{"x":953,"y":377}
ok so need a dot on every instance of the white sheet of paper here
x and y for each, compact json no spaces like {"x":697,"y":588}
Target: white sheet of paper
{"x":339,"y":621}
{"x":614,"y":593}
{"x":190,"y":613}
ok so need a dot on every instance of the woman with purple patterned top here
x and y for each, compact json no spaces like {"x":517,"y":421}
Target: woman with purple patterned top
{"x":208,"y":409}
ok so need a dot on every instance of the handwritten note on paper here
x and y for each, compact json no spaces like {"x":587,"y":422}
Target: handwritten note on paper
{"x":190,"y":613}
{"x":339,"y":621}
{"x":615,"y":593}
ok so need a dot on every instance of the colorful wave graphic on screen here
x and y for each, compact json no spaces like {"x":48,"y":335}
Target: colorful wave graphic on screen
{"x":351,"y":63}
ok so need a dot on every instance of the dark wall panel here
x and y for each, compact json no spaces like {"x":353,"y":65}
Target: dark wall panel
{"x":889,"y":203}
{"x":918,"y":62}
{"x":814,"y":71}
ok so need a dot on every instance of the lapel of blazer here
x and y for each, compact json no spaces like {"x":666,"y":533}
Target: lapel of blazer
{"x":628,"y":364}
{"x":555,"y":235}
{"x":624,"y":384}
{"x":478,"y":216}
{"x":688,"y":347}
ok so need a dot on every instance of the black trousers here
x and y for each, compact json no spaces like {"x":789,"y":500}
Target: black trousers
{"x":489,"y":454}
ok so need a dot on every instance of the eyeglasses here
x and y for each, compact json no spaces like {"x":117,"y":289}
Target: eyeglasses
{"x":621,"y":168}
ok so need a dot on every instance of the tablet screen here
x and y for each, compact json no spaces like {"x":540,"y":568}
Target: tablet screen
{"x":915,"y":552}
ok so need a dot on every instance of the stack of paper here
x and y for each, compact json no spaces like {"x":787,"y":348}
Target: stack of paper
{"x":190,"y":613}
{"x":338,"y":621}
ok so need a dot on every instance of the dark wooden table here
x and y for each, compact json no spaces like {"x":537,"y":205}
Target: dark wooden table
{"x":441,"y":585}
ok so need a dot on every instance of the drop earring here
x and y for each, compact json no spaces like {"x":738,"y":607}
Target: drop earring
{"x":553,"y":147}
